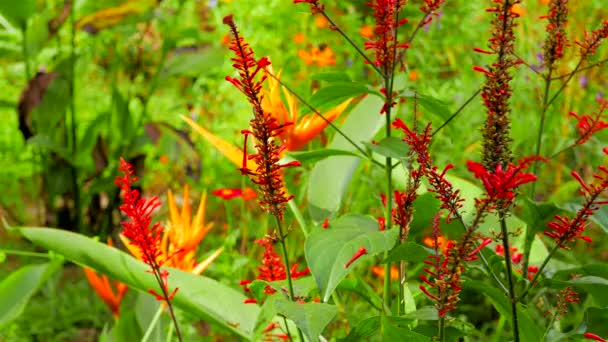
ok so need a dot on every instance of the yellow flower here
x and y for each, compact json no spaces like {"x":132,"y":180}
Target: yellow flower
{"x":182,"y":237}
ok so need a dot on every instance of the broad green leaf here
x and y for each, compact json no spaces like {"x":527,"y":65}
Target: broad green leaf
{"x":390,"y":147}
{"x":328,"y":250}
{"x":18,"y":11}
{"x":363,"y":289}
{"x":202,"y":297}
{"x":311,"y":318}
{"x":19,"y":286}
{"x":409,"y":251}
{"x":432,"y":105}
{"x":316,"y":155}
{"x":330,"y":177}
{"x":193,"y":63}
{"x":528,"y":330}
{"x":392,"y":331}
{"x":426,"y":207}
{"x":331,"y":76}
{"x":425,"y":313}
{"x":336,"y":93}
{"x":365,"y":329}
{"x":146,"y":307}
{"x":127,"y":327}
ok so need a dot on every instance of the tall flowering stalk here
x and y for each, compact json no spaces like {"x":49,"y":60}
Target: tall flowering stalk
{"x":265,"y":129}
{"x":142,"y":235}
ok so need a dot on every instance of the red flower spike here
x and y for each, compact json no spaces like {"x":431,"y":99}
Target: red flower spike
{"x":385,"y":44}
{"x":588,"y":125}
{"x":500,"y":184}
{"x":593,"y":40}
{"x":264,"y":127}
{"x":591,"y":336}
{"x":356,"y":256}
{"x":556,"y":32}
{"x":565,"y":229}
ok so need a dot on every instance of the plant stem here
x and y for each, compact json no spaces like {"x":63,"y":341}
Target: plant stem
{"x":509,"y":271}
{"x":74,"y":143}
{"x":540,"y":270}
{"x":24,"y":253}
{"x":441,"y":327}
{"x":458,"y":111}
{"x":156,"y":271}
{"x":287,"y":269}
{"x":153,"y":324}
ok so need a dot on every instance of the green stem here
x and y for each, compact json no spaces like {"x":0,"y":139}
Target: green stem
{"x":441,"y":327}
{"x":24,"y":253}
{"x":540,"y":270}
{"x":153,"y":324}
{"x":509,"y":271}
{"x":458,"y":111}
{"x":74,"y":143}
{"x":287,"y":268}
{"x":298,"y":216}
{"x":498,"y":332}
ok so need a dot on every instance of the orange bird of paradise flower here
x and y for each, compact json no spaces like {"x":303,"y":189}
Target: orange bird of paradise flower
{"x":182,"y":237}
{"x":294,"y":137}
{"x":104,"y":289}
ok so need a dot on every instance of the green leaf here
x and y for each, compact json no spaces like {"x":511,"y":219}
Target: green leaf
{"x":45,"y":142}
{"x":409,"y":251}
{"x":193,"y":63}
{"x":330,"y":177}
{"x":426,"y":207}
{"x":328,"y":250}
{"x":316,"y":155}
{"x":336,"y":93}
{"x":594,"y":281}
{"x":393,"y":331}
{"x":332,"y":76}
{"x":528,"y":330}
{"x":19,"y":286}
{"x":18,"y":11}
{"x":311,"y":318}
{"x":425,"y":313}
{"x":146,"y":307}
{"x":363,"y":289}
{"x":366,"y":328}
{"x":390,"y":147}
{"x":127,"y":327}
{"x":202,"y":297}
{"x":429,"y":103}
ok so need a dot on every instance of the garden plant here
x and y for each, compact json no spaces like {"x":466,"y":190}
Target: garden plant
{"x":306,"y":170}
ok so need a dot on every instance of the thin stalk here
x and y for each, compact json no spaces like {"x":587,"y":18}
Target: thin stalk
{"x":498,"y":331}
{"x":73,"y":127}
{"x":156,"y":271}
{"x":581,"y":69}
{"x":540,"y":270}
{"x":563,"y":86}
{"x":441,"y":327}
{"x":337,"y":28}
{"x":509,"y":271}
{"x":24,"y":253}
{"x":287,"y":270}
{"x":298,"y":216}
{"x":26,"y":54}
{"x":553,"y":317}
{"x":152,"y":324}
{"x":286,"y":327}
{"x":329,"y":123}
{"x":458,"y":111}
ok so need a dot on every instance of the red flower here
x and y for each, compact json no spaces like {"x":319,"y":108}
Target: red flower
{"x":264,"y":127}
{"x":386,"y":45}
{"x":138,"y":230}
{"x":594,"y":40}
{"x":356,"y":256}
{"x":591,"y":336}
{"x":566,"y":229}
{"x":500,"y":184}
{"x":588,"y":125}
{"x":228,"y":194}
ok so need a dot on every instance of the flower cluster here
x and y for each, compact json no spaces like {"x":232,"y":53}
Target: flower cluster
{"x":556,"y":32}
{"x":264,"y":127}
{"x":272,"y":269}
{"x":430,"y":8}
{"x":501,"y":184}
{"x":496,"y":91}
{"x":516,"y":258}
{"x":419,"y":143}
{"x":446,"y":267}
{"x":385,"y":45}
{"x":138,"y":231}
{"x":593,"y":41}
{"x":588,"y":125}
{"x":565,"y":229}
{"x":565,"y":296}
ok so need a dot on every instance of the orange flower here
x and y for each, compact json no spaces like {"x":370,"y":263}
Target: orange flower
{"x":295,"y":136}
{"x":321,"y":21}
{"x":518,"y":10}
{"x":367,"y":31}
{"x":414,"y":75}
{"x":322,"y":57}
{"x":246,"y":194}
{"x":431,"y":243}
{"x":182,"y":237}
{"x":105,"y":291}
{"x":299,"y":38}
{"x":379,"y":271}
